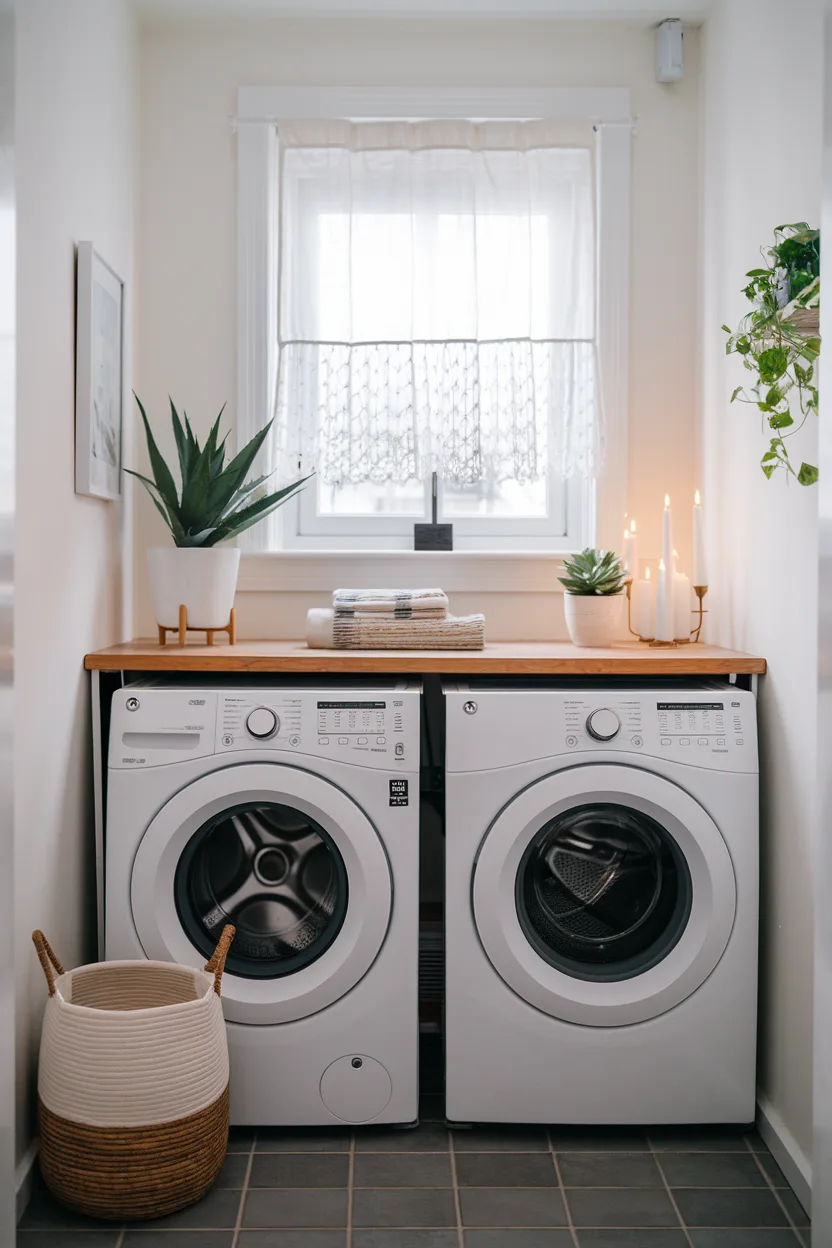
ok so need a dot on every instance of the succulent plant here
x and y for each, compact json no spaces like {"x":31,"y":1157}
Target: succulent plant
{"x":216,"y":502}
{"x":593,"y":572}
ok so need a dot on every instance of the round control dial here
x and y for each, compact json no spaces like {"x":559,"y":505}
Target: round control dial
{"x":262,"y":723}
{"x":603,"y":725}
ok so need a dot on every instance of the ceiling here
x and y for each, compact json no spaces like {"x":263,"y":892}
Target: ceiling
{"x":650,"y":10}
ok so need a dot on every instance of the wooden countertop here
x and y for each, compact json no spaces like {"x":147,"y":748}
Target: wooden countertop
{"x":515,"y":658}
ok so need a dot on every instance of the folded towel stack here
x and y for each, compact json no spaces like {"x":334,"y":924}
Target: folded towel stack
{"x":391,"y":619}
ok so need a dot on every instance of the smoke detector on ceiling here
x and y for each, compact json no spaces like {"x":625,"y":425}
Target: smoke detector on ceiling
{"x":670,"y":50}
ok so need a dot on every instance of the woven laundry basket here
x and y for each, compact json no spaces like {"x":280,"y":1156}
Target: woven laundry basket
{"x":133,"y":1084}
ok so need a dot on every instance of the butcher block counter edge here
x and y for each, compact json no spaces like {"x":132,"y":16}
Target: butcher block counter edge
{"x":504,"y":658}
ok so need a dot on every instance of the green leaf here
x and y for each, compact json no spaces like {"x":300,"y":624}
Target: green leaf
{"x":768,"y":469}
{"x":772,"y":364}
{"x":808,"y":474}
{"x":241,"y":520}
{"x":774,"y":396}
{"x":161,"y":473}
{"x":736,"y":392}
{"x":781,"y":420}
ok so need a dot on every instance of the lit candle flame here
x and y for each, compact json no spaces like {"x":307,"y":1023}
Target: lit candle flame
{"x":661,"y":566}
{"x":675,"y":554}
{"x":697,"y":499}
{"x":632,"y":526}
{"x":647,"y":574}
{"x":667,"y":500}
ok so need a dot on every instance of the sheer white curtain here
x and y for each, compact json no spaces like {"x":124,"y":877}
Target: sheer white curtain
{"x":436,"y":302}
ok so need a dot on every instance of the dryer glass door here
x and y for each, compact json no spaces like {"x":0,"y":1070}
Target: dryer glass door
{"x":603,"y":891}
{"x":604,"y":895}
{"x":291,"y":861}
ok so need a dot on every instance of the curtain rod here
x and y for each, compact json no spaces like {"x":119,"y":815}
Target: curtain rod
{"x":631,"y":124}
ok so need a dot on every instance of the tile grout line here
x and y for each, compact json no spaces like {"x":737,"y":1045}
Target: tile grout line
{"x":244,"y":1193}
{"x":350,"y":1188}
{"x":775,"y":1192}
{"x":562,"y":1189}
{"x":120,"y":1241}
{"x":667,"y":1188}
{"x":455,"y":1183}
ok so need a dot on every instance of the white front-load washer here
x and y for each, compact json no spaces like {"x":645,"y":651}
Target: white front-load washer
{"x":601,"y":903}
{"x":291,"y":811}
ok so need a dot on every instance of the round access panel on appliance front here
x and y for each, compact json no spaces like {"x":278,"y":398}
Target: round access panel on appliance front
{"x":356,"y":1088}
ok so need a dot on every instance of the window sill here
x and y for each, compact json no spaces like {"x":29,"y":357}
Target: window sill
{"x":458,"y":571}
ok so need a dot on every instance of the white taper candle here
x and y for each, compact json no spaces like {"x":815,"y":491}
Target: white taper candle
{"x":700,"y":568}
{"x":664,"y":603}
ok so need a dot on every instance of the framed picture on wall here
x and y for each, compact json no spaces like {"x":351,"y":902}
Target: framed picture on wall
{"x":99,"y":372}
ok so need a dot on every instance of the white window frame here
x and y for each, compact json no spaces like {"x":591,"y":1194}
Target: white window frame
{"x":595,"y":510}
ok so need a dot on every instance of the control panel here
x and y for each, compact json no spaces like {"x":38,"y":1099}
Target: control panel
{"x":713,"y":727}
{"x":372,"y":729}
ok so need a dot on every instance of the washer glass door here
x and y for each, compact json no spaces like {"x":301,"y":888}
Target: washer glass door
{"x":604,"y":895}
{"x":288,"y":858}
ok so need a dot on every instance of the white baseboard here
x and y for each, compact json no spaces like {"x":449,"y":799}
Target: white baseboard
{"x":786,"y":1151}
{"x":24,"y":1177}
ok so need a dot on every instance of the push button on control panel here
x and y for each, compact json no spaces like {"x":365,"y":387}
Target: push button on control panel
{"x":399,"y":749}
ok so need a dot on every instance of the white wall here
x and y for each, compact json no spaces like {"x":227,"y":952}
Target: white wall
{"x":762,"y":109}
{"x":75,"y":121}
{"x":189,"y":73}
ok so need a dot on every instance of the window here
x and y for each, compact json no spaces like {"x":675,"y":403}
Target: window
{"x":431,"y":307}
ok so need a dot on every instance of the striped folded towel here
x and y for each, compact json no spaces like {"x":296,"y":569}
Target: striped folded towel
{"x":326,"y":630}
{"x":397,"y":604}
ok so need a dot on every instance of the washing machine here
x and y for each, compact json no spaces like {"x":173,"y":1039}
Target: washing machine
{"x":601,"y":903}
{"x":291,"y":811}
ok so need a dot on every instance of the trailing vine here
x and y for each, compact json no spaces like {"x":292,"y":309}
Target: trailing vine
{"x":778,"y":342}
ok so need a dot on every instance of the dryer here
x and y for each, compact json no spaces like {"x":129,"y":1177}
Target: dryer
{"x":291,"y":811}
{"x":601,"y":903}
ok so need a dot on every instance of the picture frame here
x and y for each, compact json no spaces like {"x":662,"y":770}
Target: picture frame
{"x":99,"y":375}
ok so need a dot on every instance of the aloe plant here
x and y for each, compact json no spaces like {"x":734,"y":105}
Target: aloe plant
{"x":593,"y":572}
{"x":215,"y":502}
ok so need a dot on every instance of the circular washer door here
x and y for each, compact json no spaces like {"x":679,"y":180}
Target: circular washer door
{"x":604,"y":895}
{"x":287,"y":858}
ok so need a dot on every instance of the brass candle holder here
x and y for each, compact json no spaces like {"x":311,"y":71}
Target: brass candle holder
{"x":699,"y":611}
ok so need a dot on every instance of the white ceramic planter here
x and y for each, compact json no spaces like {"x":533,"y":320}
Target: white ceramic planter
{"x":593,"y":619}
{"x":203,"y":578}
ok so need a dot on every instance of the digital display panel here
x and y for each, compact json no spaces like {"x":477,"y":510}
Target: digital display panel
{"x":690,"y":706}
{"x":351,"y":706}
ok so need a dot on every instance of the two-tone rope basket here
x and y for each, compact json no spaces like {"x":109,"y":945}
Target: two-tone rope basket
{"x":133,"y":1084}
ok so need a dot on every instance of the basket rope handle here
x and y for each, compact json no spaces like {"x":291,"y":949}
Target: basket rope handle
{"x":47,"y":959}
{"x":216,"y":963}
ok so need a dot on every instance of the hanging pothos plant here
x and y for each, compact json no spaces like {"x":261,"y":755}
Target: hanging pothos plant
{"x":779,"y":342}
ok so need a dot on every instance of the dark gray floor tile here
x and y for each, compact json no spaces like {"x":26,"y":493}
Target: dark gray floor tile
{"x":178,"y":1239}
{"x":609,"y":1170}
{"x":233,"y":1173}
{"x":620,"y":1207}
{"x":711,"y":1170}
{"x":405,"y":1239}
{"x":402,"y":1170}
{"x":755,"y":1140}
{"x":44,"y":1213}
{"x":282,"y":1208}
{"x":725,"y":1207}
{"x":697,"y":1139}
{"x":290,"y":1239}
{"x":240,"y":1139}
{"x":597,"y":1139}
{"x":511,"y":1206}
{"x":505,"y":1170}
{"x":377,"y":1206}
{"x":794,"y":1208}
{"x":744,"y":1239}
{"x":214,"y":1212}
{"x":432,"y":1108}
{"x":501,"y":1139}
{"x":641,"y":1238}
{"x":68,"y":1239}
{"x":513,"y":1238}
{"x":302,"y":1140}
{"x":300,"y":1170}
{"x":773,"y":1171}
{"x":428,"y":1137}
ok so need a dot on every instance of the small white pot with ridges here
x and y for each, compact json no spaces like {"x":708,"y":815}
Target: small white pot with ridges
{"x":593,"y":619}
{"x":204,"y":578}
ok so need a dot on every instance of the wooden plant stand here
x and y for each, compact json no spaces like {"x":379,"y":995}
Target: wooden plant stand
{"x":230,"y":628}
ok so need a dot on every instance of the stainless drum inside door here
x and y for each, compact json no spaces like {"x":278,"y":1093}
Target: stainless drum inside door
{"x":604,"y":895}
{"x":287,"y":858}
